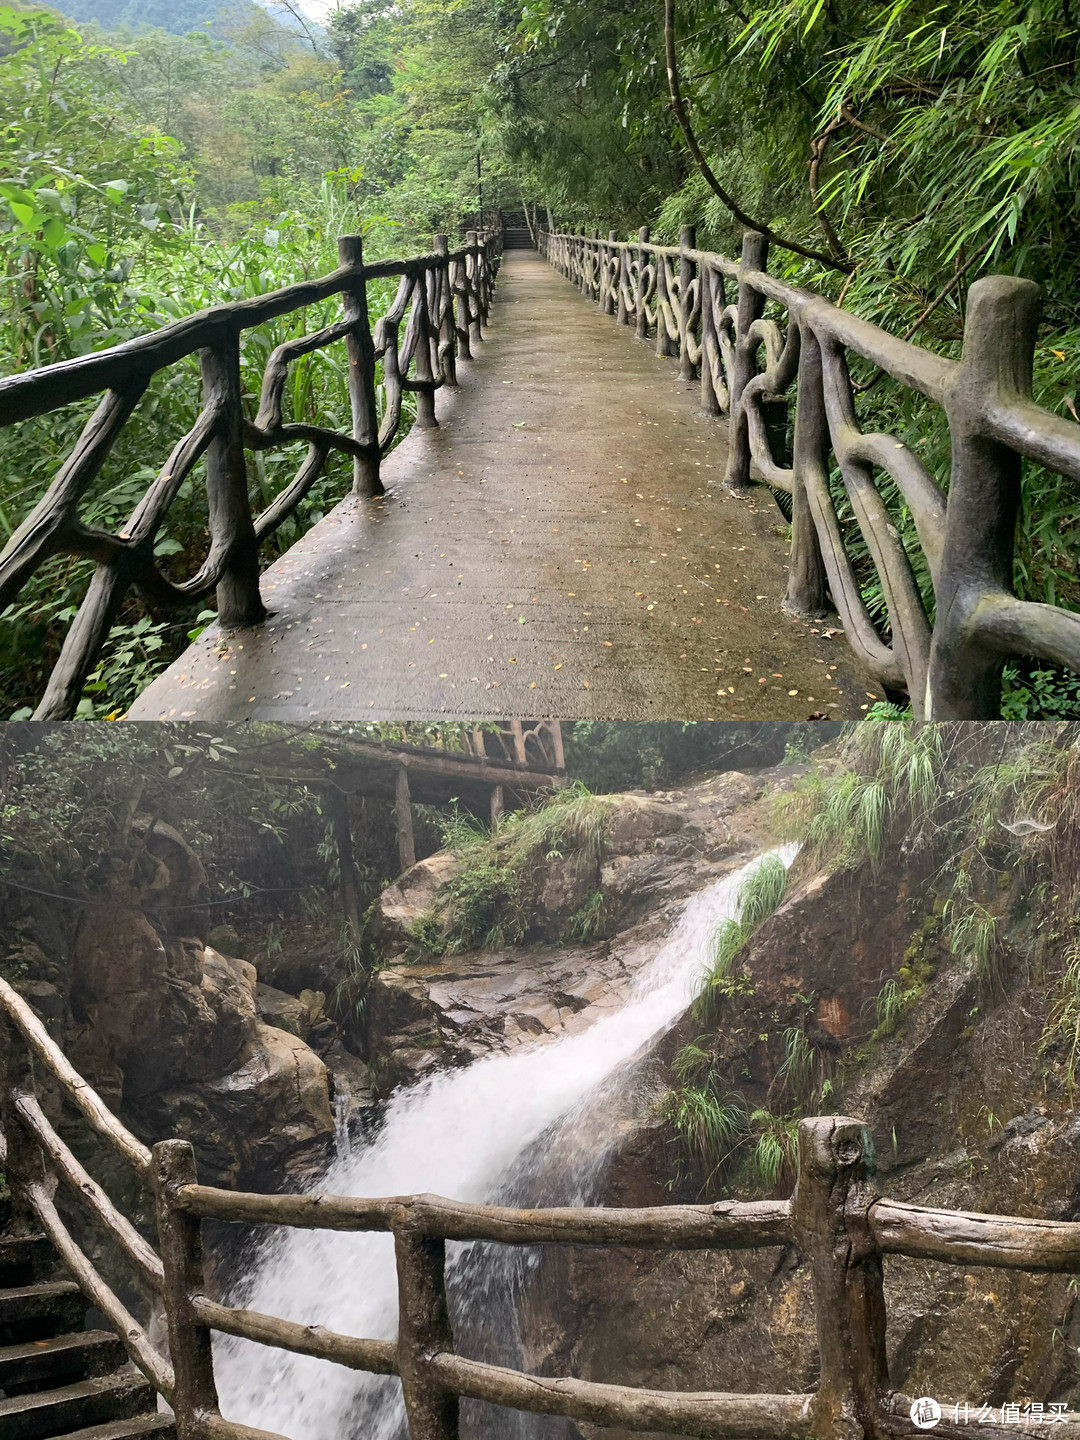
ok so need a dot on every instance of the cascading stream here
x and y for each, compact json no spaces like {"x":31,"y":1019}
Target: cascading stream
{"x":469,"y":1134}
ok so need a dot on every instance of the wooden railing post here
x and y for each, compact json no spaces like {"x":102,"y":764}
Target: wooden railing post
{"x":444,"y":313}
{"x":622,"y":281}
{"x":423,"y":1332}
{"x":806,"y":570}
{"x":360,"y":349}
{"x":829,"y":1212}
{"x":687,"y":241}
{"x":664,"y":344}
{"x":964,"y":678}
{"x":755,"y":251}
{"x":425,"y":372}
{"x":403,"y":819}
{"x":472,"y":275}
{"x":641,"y":328}
{"x":607,"y":285}
{"x":232,"y":532}
{"x":180,"y":1244}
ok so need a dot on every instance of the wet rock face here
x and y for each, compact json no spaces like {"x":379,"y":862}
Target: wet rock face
{"x":174,"y":1035}
{"x":962,"y":1118}
{"x":658,"y":849}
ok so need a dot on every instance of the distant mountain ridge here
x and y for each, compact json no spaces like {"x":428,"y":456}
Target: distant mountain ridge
{"x":178,"y":16}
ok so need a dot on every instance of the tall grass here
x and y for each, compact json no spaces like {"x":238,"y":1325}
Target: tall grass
{"x":759,"y":895}
{"x":491,"y":901}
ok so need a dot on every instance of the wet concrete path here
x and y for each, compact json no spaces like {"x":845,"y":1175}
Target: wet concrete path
{"x":561,"y":545}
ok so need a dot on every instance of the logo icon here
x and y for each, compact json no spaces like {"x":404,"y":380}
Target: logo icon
{"x":925,"y":1413}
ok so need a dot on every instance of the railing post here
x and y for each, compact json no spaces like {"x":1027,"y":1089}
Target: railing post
{"x":829,"y":1210}
{"x":403,"y":820}
{"x":607,"y":287}
{"x":964,"y":678}
{"x":687,"y":241}
{"x":806,"y":569}
{"x":232,"y":532}
{"x":642,"y":320}
{"x":425,"y":373}
{"x":180,"y":1243}
{"x":444,"y":312}
{"x":360,"y":349}
{"x":755,"y":251}
{"x":423,"y":1332}
{"x":622,"y":281}
{"x":472,"y":277}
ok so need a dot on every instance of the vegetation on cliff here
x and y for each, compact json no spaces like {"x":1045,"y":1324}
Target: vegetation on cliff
{"x":986,"y":818}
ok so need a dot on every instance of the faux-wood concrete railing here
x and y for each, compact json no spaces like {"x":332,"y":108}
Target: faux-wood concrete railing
{"x":835,"y":1218}
{"x":952,"y":668}
{"x":445,"y":295}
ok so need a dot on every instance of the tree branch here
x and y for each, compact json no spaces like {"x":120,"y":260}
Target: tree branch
{"x":679,"y":109}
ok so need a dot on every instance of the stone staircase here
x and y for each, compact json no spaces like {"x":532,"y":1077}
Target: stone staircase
{"x":57,"y":1377}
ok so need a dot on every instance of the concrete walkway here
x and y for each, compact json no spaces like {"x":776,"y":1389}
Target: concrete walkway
{"x":561,"y":545}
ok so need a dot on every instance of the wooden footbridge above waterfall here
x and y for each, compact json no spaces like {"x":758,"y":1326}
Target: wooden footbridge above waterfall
{"x":60,"y":1381}
{"x":571,"y":526}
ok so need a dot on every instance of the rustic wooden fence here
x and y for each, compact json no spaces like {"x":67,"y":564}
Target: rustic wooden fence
{"x":835,"y":1218}
{"x":443,"y":300}
{"x":709,"y":312}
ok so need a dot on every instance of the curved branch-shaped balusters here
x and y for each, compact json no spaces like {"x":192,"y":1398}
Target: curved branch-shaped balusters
{"x":910,"y":628}
{"x":781,"y":364}
{"x":447,"y":295}
{"x":967,"y":539}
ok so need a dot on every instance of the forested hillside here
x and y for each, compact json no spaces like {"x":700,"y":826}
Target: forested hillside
{"x":911,"y":146}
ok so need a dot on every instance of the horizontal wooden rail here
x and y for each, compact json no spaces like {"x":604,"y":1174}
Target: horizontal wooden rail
{"x":950,"y":664}
{"x":377,"y":1357}
{"x":117,"y":1226}
{"x":962,"y":1238}
{"x":835,"y":1219}
{"x":710,"y":1415}
{"x":135,"y":1339}
{"x":727,"y":1225}
{"x":74,"y":1086}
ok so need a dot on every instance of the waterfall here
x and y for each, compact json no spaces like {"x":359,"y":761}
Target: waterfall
{"x":469,"y":1134}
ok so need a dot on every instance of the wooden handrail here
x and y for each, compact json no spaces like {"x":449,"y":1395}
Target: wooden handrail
{"x":443,"y":299}
{"x":377,"y":1357}
{"x":835,"y":1218}
{"x":134,"y":1337}
{"x":117,"y":1226}
{"x":711,"y":1414}
{"x":75,"y":1087}
{"x":965,"y":1238}
{"x":951,"y":668}
{"x":727,"y":1225}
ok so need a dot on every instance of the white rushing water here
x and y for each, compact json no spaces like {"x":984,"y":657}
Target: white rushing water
{"x":468,"y":1134}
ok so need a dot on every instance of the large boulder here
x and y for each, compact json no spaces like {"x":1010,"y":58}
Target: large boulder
{"x":268,"y":1117}
{"x":412,"y":895}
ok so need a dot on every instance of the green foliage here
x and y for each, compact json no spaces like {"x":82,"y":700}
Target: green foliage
{"x":710,"y":1126}
{"x":773,"y":1146}
{"x":893,"y":782}
{"x":590,"y":921}
{"x":759,"y":895}
{"x":490,"y":902}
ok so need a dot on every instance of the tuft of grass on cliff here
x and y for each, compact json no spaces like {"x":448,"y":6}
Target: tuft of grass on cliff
{"x":990,"y":814}
{"x":491,"y":901}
